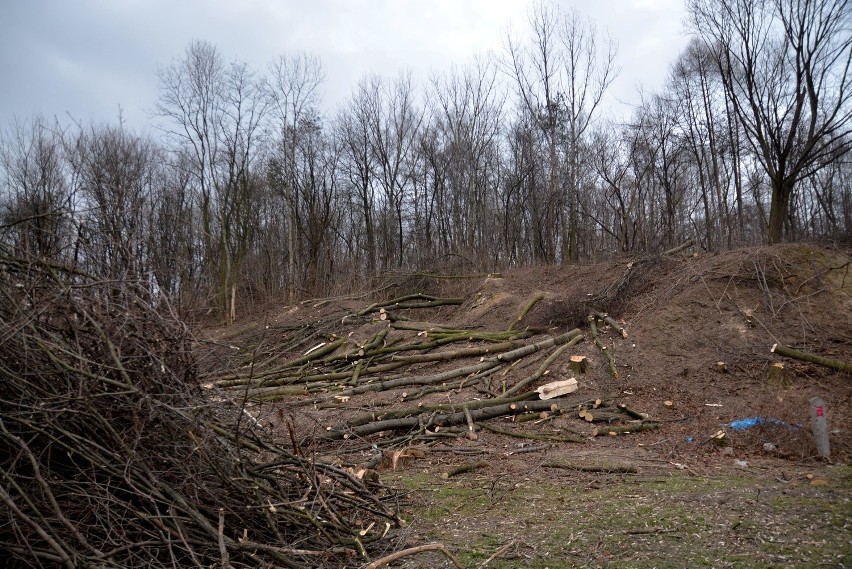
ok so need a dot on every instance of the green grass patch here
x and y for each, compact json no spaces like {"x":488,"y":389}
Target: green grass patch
{"x":667,"y":522}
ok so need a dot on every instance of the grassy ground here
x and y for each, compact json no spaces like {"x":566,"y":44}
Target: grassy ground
{"x":743,"y":519}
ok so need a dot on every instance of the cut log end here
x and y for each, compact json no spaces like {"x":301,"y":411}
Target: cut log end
{"x":777,"y":375}
{"x":578,"y":364}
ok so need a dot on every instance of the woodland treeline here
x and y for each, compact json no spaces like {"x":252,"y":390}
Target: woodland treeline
{"x":245,"y":191}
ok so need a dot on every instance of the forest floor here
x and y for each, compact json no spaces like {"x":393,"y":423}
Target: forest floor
{"x":680,"y":488}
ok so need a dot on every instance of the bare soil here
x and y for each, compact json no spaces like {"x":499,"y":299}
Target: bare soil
{"x":695,"y":359}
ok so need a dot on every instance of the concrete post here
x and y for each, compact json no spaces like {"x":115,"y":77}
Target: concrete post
{"x":819,"y":426}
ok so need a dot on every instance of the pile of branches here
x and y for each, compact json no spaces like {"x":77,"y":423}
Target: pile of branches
{"x":110,"y":456}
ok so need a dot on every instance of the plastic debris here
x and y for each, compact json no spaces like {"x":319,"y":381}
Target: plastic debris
{"x":742,"y":464}
{"x":743,"y":424}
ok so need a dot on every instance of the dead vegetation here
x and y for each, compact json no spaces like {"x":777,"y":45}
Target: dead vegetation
{"x":110,"y":457}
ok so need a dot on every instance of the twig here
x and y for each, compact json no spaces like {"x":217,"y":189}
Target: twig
{"x":497,"y":554}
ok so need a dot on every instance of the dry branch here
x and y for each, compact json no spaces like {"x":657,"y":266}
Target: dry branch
{"x":102,"y":422}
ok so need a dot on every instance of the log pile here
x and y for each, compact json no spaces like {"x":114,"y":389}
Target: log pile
{"x":110,"y":456}
{"x":428,"y":381}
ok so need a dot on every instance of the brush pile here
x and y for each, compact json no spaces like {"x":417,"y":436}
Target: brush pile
{"x":111,"y":457}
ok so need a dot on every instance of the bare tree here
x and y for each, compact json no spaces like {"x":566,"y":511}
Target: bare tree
{"x":589,"y":71}
{"x":115,"y":170}
{"x":295,"y":94}
{"x":561,"y":75}
{"x":785,"y":65}
{"x":394,"y":125}
{"x":460,"y":148}
{"x":36,"y":198}
{"x":358,"y":162}
{"x":174,"y":241}
{"x":214,"y":112}
{"x":535,"y":68}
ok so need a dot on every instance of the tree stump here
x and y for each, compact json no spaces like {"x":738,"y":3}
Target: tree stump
{"x":578,"y":364}
{"x":777,"y":376}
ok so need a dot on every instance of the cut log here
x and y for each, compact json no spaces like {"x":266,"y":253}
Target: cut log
{"x":635,"y":414}
{"x":462,"y":468}
{"x":417,"y":300}
{"x":483,"y":366}
{"x":600,"y":416}
{"x":536,"y":436}
{"x":471,"y":430}
{"x":812,"y":358}
{"x":424,"y":327}
{"x":317,"y":352}
{"x":420,"y":409}
{"x":543,"y":368}
{"x":686,"y":245}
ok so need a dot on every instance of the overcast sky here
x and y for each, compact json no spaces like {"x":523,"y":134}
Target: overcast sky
{"x":85,"y":58}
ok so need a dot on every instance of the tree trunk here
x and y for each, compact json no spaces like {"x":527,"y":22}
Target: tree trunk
{"x":781,"y":190}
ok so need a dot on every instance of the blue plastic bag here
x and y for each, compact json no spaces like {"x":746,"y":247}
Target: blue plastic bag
{"x":743,"y":424}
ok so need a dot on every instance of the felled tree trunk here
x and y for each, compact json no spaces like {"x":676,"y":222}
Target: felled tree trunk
{"x":812,"y":358}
